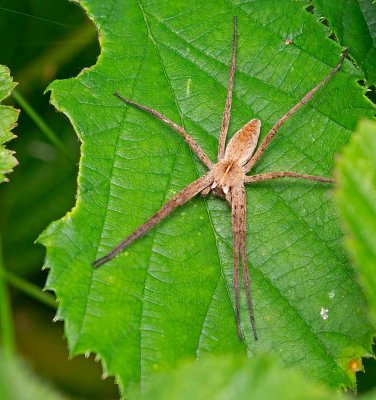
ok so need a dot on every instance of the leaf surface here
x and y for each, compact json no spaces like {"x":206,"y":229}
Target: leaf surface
{"x":356,"y":196}
{"x":169,"y":296}
{"x":8,"y":118}
{"x":354,"y":24}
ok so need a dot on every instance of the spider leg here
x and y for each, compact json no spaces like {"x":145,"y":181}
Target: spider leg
{"x":265,"y":143}
{"x":227,"y":111}
{"x":206,"y":191}
{"x":179,"y":199}
{"x":182,"y":132}
{"x":274,"y":175}
{"x":236,"y":248}
{"x":239,"y":223}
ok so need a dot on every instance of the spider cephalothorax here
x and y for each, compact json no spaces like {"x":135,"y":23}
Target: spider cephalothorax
{"x":227,"y":177}
{"x":230,"y":170}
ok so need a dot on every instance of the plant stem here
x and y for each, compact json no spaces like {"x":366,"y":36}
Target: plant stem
{"x":28,"y":288}
{"x":50,"y":134}
{"x":6,"y":322}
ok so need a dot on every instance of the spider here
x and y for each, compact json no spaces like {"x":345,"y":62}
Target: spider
{"x":226,"y":178}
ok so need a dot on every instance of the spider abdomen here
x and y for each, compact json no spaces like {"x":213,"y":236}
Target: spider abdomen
{"x":243,"y":144}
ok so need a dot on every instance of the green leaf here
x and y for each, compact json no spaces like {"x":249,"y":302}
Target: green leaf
{"x":170,"y":295}
{"x":17,"y":381}
{"x":8,"y":118}
{"x":353,"y":22}
{"x":356,"y":196}
{"x":235,"y":378}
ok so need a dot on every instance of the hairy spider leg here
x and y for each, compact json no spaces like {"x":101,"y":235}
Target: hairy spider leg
{"x":182,"y":132}
{"x":238,"y":206}
{"x":227,"y":110}
{"x":179,"y":199}
{"x":284,"y":174}
{"x":265,"y":143}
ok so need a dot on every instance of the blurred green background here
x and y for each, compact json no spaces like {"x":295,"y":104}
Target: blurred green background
{"x":41,"y":41}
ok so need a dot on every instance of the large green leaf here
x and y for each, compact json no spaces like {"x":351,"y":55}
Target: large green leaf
{"x":227,"y":378}
{"x":353,"y":22}
{"x":170,"y":296}
{"x":356,"y":193}
{"x":8,"y":118}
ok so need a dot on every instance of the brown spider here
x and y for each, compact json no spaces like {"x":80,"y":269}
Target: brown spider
{"x":227,"y":177}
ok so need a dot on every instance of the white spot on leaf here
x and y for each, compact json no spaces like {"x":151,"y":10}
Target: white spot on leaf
{"x":331,"y":294}
{"x":324,"y":313}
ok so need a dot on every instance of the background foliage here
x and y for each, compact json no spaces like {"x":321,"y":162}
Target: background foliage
{"x":48,"y":40}
{"x":28,"y":208}
{"x":228,"y":378}
{"x":353,"y":23}
{"x":8,"y":118}
{"x":356,"y":194}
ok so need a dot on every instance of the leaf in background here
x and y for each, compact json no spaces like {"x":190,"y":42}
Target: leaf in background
{"x":169,"y":296}
{"x":353,"y":22}
{"x":356,"y":197}
{"x":8,"y":118}
{"x":18,"y":382}
{"x":227,"y":378}
{"x":371,"y":395}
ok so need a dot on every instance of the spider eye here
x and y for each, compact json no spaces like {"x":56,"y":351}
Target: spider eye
{"x":244,"y":142}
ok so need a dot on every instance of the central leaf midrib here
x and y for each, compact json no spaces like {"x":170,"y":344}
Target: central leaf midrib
{"x":153,"y":41}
